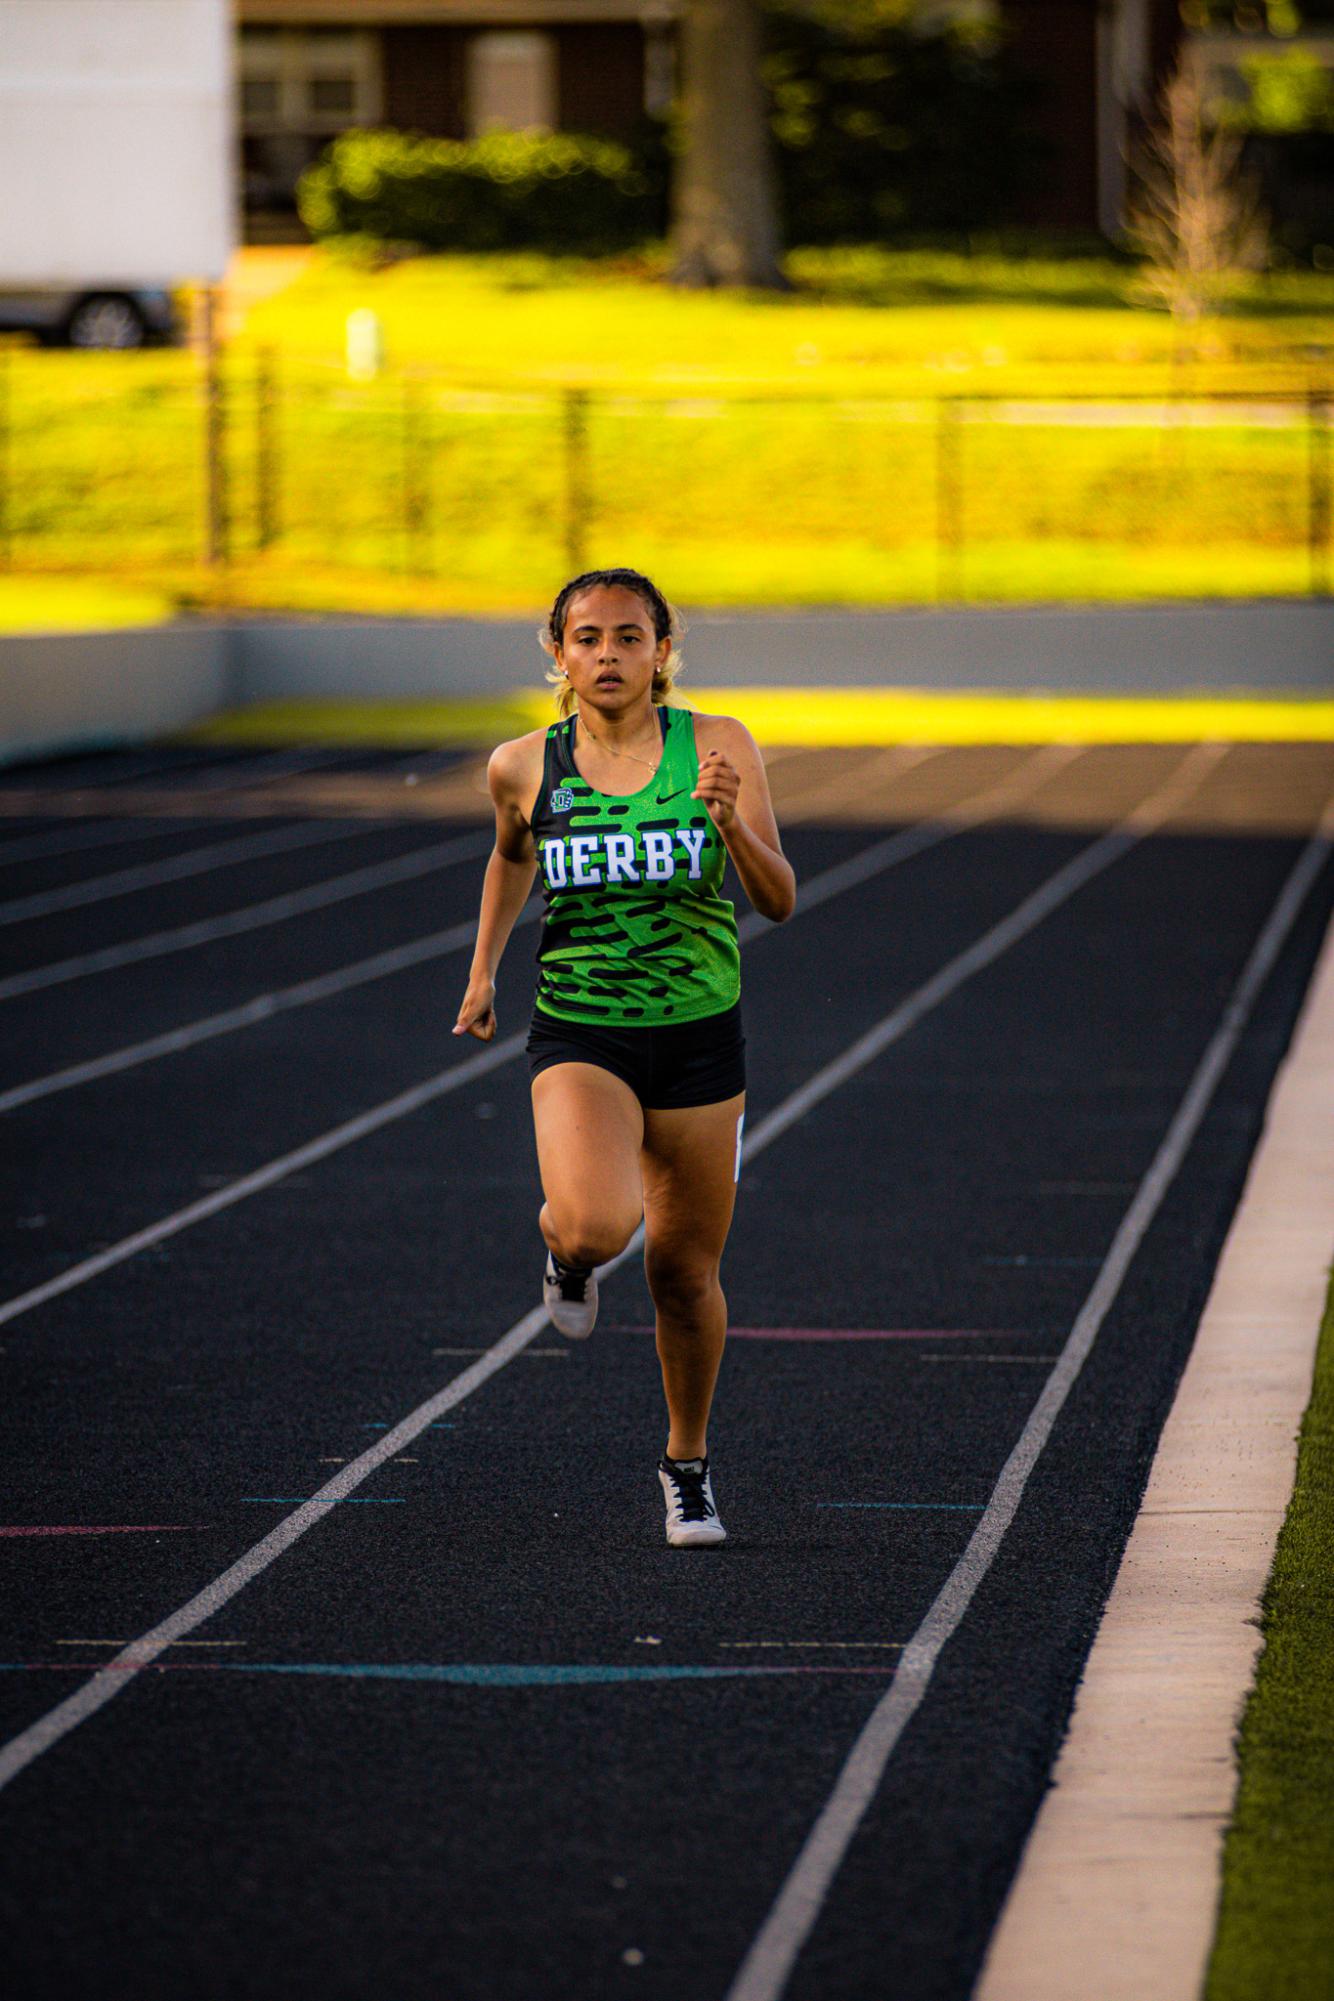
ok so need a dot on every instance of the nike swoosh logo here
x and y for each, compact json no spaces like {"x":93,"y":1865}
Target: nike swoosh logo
{"x":664,"y":797}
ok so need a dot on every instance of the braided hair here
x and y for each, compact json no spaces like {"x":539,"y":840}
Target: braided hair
{"x":667,"y":624}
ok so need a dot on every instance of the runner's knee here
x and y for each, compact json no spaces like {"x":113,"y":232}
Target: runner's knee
{"x":681,"y":1282}
{"x":591,"y":1239}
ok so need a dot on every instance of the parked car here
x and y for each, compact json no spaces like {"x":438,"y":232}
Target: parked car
{"x":104,"y":318}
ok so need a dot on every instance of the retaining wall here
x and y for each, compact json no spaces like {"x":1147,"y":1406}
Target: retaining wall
{"x":91,"y":690}
{"x":78,"y":691}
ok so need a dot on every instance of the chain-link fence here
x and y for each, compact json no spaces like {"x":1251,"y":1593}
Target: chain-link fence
{"x":273,"y":467}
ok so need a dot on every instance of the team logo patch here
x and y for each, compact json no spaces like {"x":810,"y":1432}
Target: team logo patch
{"x":562,"y":799}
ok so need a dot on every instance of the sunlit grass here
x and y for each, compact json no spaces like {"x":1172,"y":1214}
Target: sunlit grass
{"x":78,"y":604}
{"x":872,"y":320}
{"x":535,"y":413}
{"x":497,"y":580}
{"x":1276,"y":1919}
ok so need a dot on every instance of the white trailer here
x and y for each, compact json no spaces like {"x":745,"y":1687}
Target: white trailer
{"x":117,"y":179}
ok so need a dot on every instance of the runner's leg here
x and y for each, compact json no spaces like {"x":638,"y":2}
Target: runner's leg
{"x":688,"y":1165}
{"x":590,"y":1128}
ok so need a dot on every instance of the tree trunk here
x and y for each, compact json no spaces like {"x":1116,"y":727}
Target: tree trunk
{"x":725,"y":208}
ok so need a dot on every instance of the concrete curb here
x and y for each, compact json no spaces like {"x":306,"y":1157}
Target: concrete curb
{"x":1116,"y":1896}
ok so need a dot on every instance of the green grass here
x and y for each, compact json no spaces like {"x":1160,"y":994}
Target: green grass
{"x":1275,"y":1939}
{"x":779,"y":450}
{"x":868,"y":321}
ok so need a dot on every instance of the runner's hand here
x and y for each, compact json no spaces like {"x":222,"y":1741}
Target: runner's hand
{"x":719,"y":784}
{"x":477,"y":1016}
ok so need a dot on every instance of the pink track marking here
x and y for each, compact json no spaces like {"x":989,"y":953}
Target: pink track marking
{"x":860,"y":1333}
{"x":852,"y":1333}
{"x":128,"y":1528}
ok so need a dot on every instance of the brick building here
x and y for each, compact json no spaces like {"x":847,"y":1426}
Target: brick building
{"x":309,"y":69}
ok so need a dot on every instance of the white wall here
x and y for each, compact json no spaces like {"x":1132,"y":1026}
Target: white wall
{"x":83,"y":690}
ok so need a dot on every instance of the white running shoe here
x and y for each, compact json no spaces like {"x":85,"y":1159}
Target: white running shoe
{"x":570,"y":1295}
{"x":692,"y":1518}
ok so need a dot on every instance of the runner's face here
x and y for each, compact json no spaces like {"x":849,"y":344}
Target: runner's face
{"x":609,"y":652}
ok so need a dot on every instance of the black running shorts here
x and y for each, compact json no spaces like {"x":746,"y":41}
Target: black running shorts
{"x":668,"y":1066}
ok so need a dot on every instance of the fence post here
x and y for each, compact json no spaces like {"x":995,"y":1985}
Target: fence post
{"x":416,"y":497}
{"x":574,"y":448}
{"x":1318,"y":487}
{"x":6,"y":454}
{"x":268,"y":521}
{"x":217,"y":528}
{"x":949,"y":499}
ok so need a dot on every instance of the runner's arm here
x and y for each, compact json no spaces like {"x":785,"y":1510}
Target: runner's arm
{"x":733,"y":785}
{"x":505,"y":887}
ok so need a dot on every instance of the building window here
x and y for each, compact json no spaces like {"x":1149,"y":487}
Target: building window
{"x":312,"y":84}
{"x":261,"y":100}
{"x":511,"y":82}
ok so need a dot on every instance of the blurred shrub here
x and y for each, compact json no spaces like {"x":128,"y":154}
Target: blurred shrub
{"x":1291,"y":91}
{"x":558,"y":191}
{"x":1288,"y":117}
{"x":884,"y":131}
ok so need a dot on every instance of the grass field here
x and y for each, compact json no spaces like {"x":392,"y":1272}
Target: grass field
{"x":866,"y":322}
{"x":901,"y":428}
{"x":1275,"y":1939}
{"x":75,"y":604}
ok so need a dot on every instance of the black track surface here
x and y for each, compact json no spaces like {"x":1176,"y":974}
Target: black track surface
{"x":222,"y":1829}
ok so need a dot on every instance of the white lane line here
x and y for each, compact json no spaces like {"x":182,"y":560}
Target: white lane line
{"x":101,"y":834}
{"x":259,"y":770}
{"x":108,"y":1681}
{"x":175,"y":868}
{"x":265,"y":1177}
{"x":139,"y":767}
{"x":765,"y":1969}
{"x":1032,"y":773}
{"x":876,"y":770}
{"x":116,"y":832}
{"x":358,"y":882}
{"x":1012,"y":790}
{"x":1089,"y":862}
{"x":262,"y":1008}
{"x":832,"y":882}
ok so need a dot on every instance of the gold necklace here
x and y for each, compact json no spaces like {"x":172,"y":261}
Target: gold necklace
{"x":612,"y":751}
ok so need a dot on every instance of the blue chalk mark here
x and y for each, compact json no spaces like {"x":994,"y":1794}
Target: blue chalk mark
{"x":350,"y":1501}
{"x":465,"y":1674}
{"x":963,"y":1507}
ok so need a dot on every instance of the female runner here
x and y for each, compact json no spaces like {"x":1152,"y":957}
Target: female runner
{"x":630,"y":807}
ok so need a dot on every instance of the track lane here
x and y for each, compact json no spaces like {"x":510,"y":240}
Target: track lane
{"x":582,"y":1913}
{"x":769,"y":1964}
{"x":489,"y":1747}
{"x":1082,"y":868}
{"x":36,"y":970}
{"x":973,"y":808}
{"x":249,"y":1109}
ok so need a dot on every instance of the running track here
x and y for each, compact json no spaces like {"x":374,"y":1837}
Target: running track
{"x":465,"y":1726}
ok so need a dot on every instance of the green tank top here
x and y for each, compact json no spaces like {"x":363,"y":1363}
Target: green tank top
{"x":635,"y":931}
